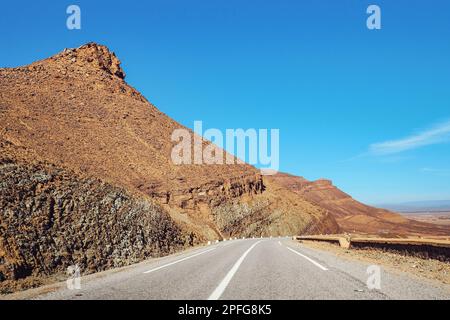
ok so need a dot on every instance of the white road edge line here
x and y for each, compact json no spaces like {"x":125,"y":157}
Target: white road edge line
{"x":309,"y":259}
{"x":217,"y":293}
{"x":175,"y":262}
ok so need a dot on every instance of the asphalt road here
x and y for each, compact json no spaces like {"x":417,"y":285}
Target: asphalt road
{"x":254,"y":269}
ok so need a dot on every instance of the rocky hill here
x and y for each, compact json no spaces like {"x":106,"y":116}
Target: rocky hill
{"x":86,"y":176}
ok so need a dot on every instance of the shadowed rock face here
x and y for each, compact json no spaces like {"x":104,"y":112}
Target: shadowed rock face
{"x":86,"y":175}
{"x":52,"y":218}
{"x":353,"y":216}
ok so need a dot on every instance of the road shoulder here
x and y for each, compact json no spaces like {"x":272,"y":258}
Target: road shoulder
{"x":430,"y":270}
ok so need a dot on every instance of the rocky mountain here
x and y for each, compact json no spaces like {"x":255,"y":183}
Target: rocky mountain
{"x":352,"y":215}
{"x":86,"y":176}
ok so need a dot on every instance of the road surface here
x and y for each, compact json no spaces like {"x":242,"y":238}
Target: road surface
{"x":254,"y":269}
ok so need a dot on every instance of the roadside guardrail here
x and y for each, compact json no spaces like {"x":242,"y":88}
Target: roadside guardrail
{"x":423,"y":248}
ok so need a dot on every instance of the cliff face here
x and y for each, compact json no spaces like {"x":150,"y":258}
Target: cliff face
{"x":212,"y":193}
{"x":87,"y":176}
{"x":352,"y":215}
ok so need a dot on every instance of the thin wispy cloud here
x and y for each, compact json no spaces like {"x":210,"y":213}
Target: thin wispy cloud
{"x":435,"y":135}
{"x":434,"y":171}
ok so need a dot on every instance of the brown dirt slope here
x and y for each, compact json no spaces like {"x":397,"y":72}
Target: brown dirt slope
{"x":353,"y":216}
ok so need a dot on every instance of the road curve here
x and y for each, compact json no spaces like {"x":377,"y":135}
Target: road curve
{"x":253,"y":269}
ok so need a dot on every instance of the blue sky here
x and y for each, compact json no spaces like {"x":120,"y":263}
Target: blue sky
{"x":368,"y":109}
